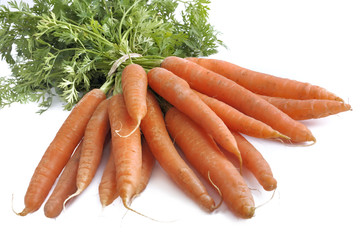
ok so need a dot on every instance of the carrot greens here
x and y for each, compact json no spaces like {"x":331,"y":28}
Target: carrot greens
{"x":67,"y":47}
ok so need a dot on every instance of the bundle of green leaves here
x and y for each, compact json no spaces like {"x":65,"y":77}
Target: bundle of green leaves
{"x":68,"y":47}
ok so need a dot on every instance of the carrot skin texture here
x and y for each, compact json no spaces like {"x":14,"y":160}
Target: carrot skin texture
{"x":265,"y":84}
{"x":108,"y":187}
{"x":308,"y":108}
{"x":127,"y":150}
{"x":178,"y":93}
{"x":237,"y":121}
{"x":162,"y":148}
{"x":93,"y":143}
{"x":203,"y":153}
{"x":134,"y":86}
{"x":148,"y":162}
{"x":226,"y":90}
{"x":60,"y":150}
{"x":65,"y":186}
{"x":254,"y":161}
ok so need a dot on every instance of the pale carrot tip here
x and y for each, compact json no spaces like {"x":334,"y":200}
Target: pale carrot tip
{"x":23,"y":213}
{"x":249,"y":211}
{"x":71,"y":196}
{"x":209,"y":199}
{"x":124,"y":136}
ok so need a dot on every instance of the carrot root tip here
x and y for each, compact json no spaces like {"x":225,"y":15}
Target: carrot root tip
{"x":269,"y":200}
{"x":24,"y":212}
{"x":219,"y":192}
{"x":71,"y":196}
{"x":124,"y":136}
{"x":126,"y":205}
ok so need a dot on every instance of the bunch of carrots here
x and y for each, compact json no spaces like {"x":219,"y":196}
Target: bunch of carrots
{"x":204,"y":106}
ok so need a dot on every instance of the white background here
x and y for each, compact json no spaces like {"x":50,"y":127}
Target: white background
{"x":318,"y":187}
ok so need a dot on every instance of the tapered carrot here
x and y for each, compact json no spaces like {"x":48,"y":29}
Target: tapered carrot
{"x":108,"y":186}
{"x":160,"y":144}
{"x":238,"y":121}
{"x":134,"y":85}
{"x":65,"y":186}
{"x":60,"y":150}
{"x":255,"y":162}
{"x":127,"y":151}
{"x":92,"y":150}
{"x":148,"y":162}
{"x":308,"y":108}
{"x":265,"y":84}
{"x":178,"y":93}
{"x":203,"y":153}
{"x":221,"y":88}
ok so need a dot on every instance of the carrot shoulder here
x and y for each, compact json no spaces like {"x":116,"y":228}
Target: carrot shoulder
{"x":308,"y":108}
{"x":226,"y":90}
{"x":127,"y":151}
{"x":265,"y":84}
{"x":203,"y":153}
{"x":60,"y":150}
{"x":134,"y":85}
{"x":178,"y":93}
{"x":162,"y":148}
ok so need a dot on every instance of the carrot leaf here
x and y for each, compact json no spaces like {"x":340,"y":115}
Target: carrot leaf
{"x":65,"y":48}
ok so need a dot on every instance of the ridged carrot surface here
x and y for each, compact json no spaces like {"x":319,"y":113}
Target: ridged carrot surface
{"x":226,"y":90}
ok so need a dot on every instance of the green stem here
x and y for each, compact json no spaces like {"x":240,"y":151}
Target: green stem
{"x":109,"y":83}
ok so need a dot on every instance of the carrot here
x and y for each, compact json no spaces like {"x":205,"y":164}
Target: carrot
{"x":203,"y":153}
{"x":148,"y":162}
{"x":162,"y":148}
{"x":223,"y":89}
{"x":237,"y":121}
{"x":134,"y":86}
{"x":60,"y":150}
{"x":178,"y":93}
{"x":107,"y":186}
{"x":255,"y":162}
{"x":127,"y":151}
{"x":65,"y":186}
{"x":265,"y":84}
{"x":93,"y":143}
{"x":308,"y":108}
{"x":94,"y":139}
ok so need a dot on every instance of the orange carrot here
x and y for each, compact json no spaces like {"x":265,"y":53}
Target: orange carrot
{"x":265,"y":84}
{"x":65,"y":186}
{"x":221,"y":88}
{"x":92,"y":150}
{"x":60,"y":150}
{"x":160,"y":144}
{"x":254,"y":161}
{"x":127,"y":151}
{"x":178,"y":93}
{"x":134,"y":86}
{"x":308,"y":108}
{"x":203,"y":153}
{"x":148,"y":162}
{"x":107,"y":186}
{"x":237,"y":121}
